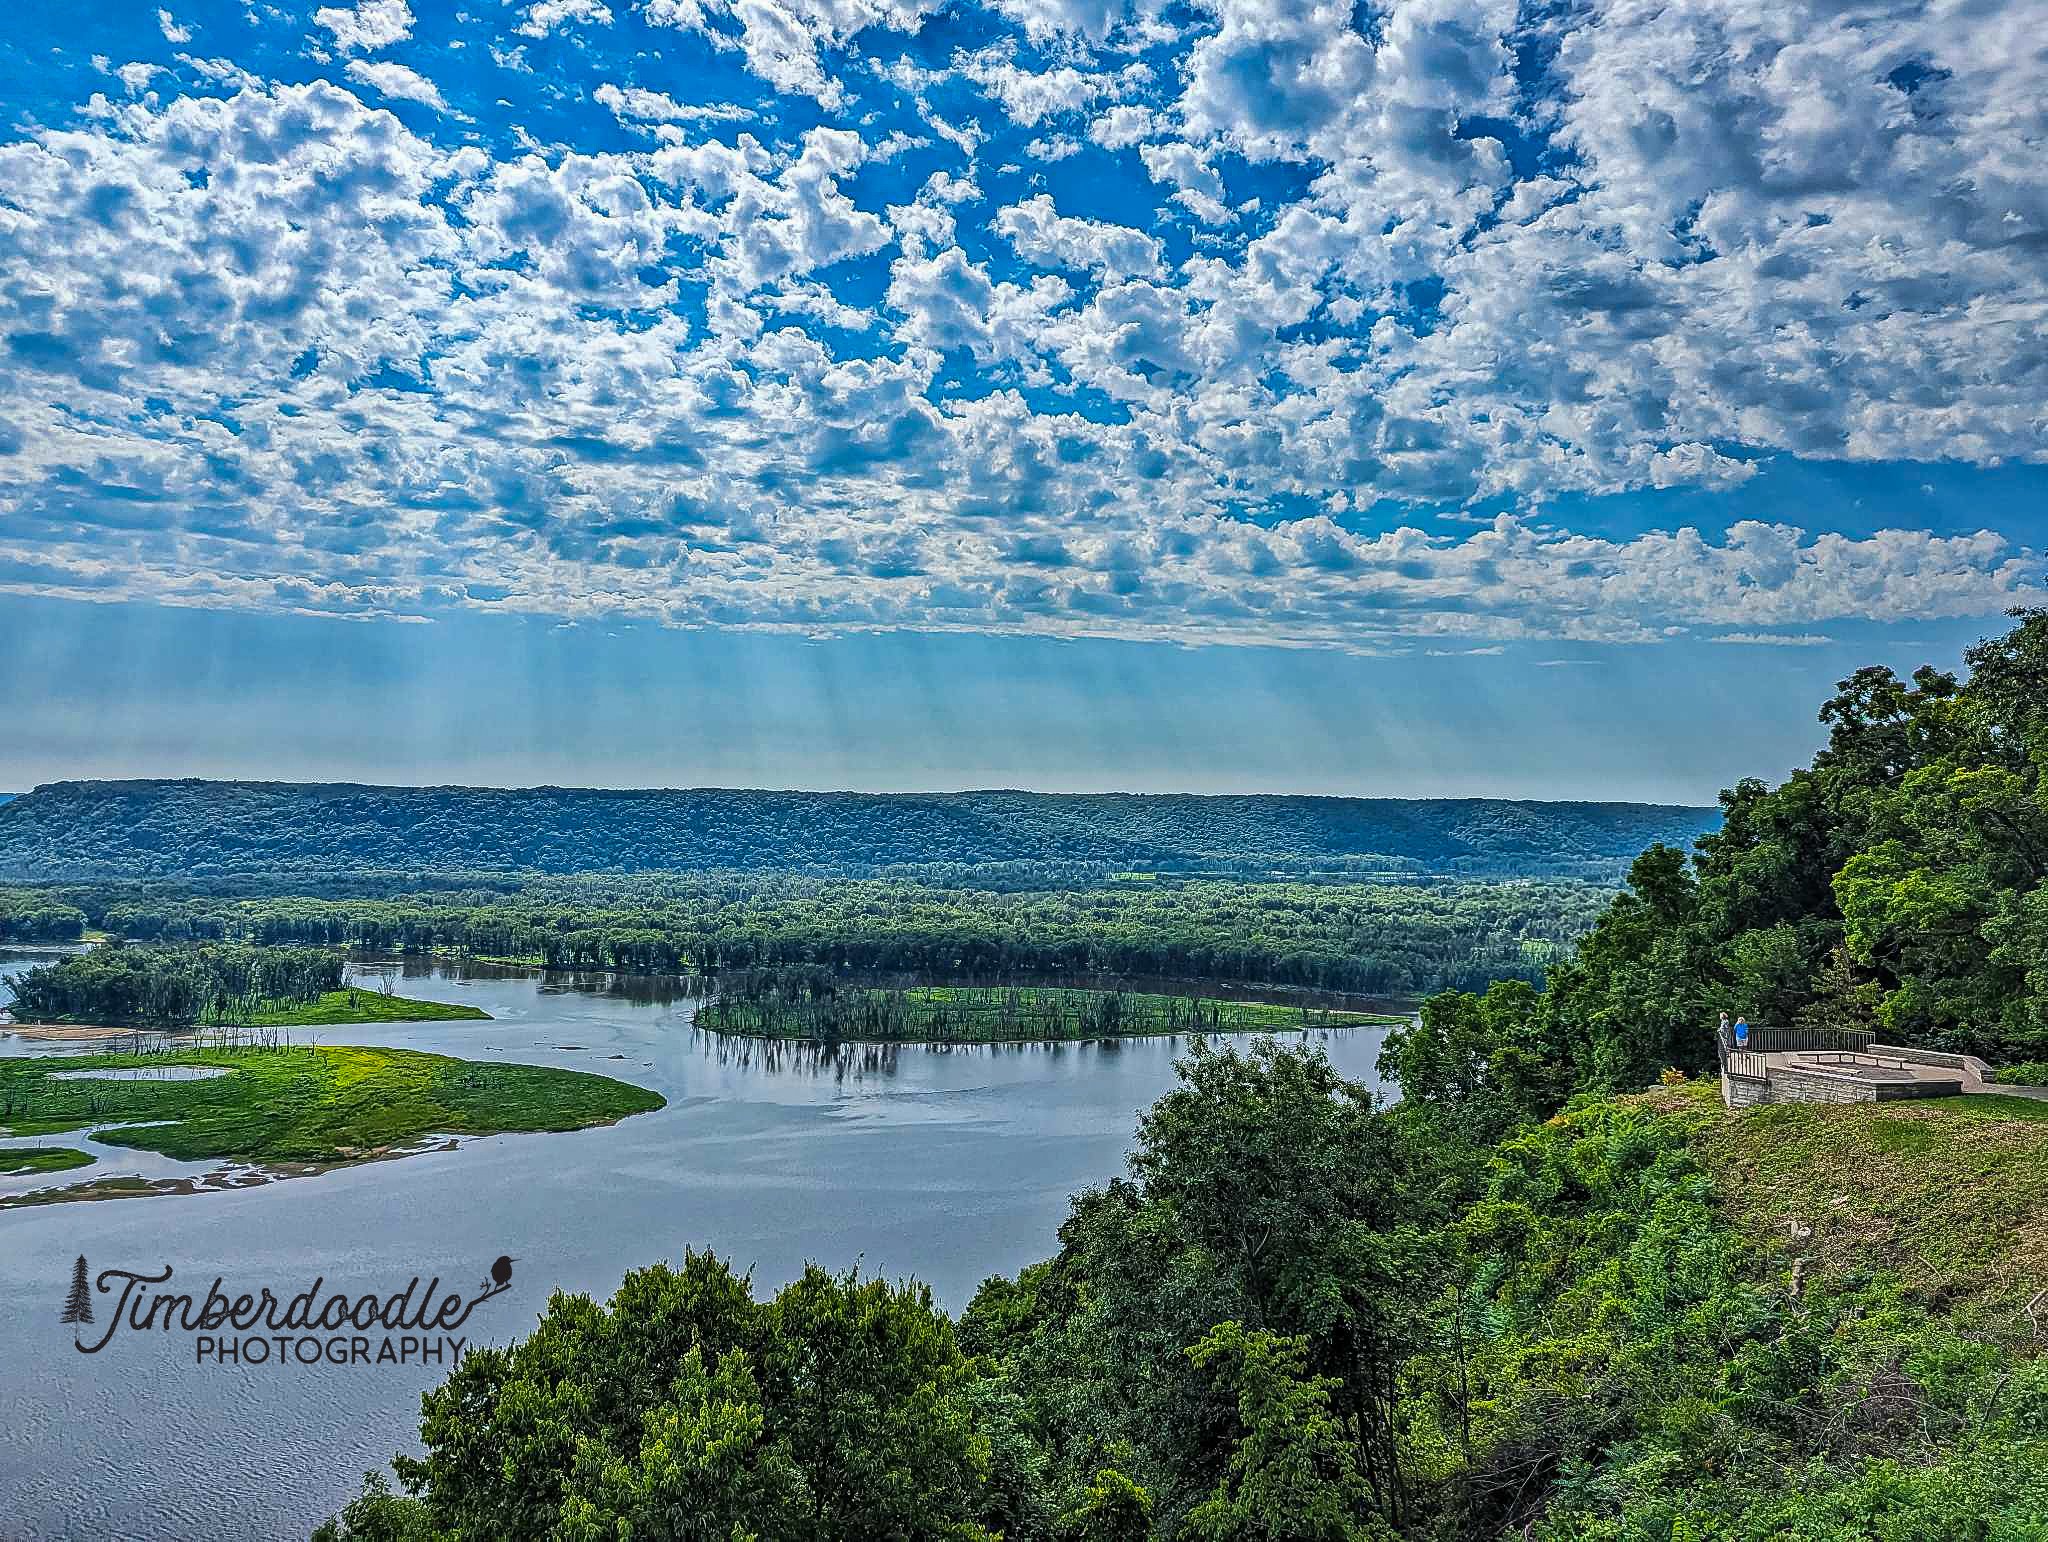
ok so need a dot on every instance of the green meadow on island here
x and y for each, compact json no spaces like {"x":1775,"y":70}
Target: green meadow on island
{"x":310,"y":1104}
{"x":246,"y":1094}
{"x":1557,"y":1290}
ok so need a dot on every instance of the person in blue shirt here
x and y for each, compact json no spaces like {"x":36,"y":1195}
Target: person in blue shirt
{"x":1742,"y":1033}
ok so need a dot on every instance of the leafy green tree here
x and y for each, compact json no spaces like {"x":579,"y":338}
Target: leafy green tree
{"x":1293,"y":1474}
{"x":868,"y":1390}
{"x":706,"y":1469}
{"x":1266,"y":1190}
{"x":1112,"y":1509}
{"x":1475,"y":1066}
{"x":685,"y":1409}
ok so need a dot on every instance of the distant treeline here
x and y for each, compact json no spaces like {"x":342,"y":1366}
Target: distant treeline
{"x":172,"y":986}
{"x":26,"y":916}
{"x":191,"y":830}
{"x":1369,"y":938}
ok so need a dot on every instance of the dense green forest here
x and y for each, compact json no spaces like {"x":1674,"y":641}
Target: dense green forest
{"x":1556,"y":1293}
{"x":197,"y":830}
{"x":813,"y":1003}
{"x":166,"y":987}
{"x":1371,"y":938}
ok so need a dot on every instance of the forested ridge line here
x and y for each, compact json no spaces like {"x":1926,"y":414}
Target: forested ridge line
{"x":197,"y":829}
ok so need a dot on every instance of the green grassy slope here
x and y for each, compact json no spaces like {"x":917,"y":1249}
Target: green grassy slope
{"x":1792,"y":1324}
{"x":1949,"y":1195}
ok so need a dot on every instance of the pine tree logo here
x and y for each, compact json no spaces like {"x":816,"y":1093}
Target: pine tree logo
{"x":78,"y":1306}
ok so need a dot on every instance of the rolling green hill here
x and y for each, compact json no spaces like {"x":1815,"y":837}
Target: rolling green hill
{"x":197,"y":829}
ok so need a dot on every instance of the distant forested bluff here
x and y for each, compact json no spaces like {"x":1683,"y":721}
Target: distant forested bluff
{"x":196,"y":830}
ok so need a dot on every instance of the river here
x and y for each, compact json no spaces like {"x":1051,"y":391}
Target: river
{"x":946,"y":1163}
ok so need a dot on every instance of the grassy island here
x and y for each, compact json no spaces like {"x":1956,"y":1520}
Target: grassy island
{"x":40,"y":1159}
{"x":786,"y":1005}
{"x":355,"y":1005}
{"x":311,"y":1104}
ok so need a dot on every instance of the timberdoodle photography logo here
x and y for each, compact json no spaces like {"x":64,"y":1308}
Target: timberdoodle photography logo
{"x":314,"y":1326}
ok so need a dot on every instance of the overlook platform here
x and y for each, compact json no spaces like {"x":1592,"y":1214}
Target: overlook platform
{"x":1808,"y":1065}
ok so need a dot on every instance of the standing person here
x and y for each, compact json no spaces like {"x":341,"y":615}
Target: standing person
{"x":1742,"y":1032}
{"x":1724,"y":1027}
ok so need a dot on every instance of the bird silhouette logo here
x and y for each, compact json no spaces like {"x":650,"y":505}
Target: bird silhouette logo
{"x":500,"y":1276}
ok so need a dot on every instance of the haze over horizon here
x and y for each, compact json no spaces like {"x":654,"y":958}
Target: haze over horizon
{"x":151,"y":692}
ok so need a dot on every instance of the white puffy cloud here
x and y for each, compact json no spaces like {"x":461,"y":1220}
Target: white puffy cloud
{"x":949,"y":302}
{"x":1043,"y":235}
{"x":1698,"y":465}
{"x":1029,"y":96}
{"x":795,"y":222}
{"x":1179,"y":164}
{"x":1046,"y":21}
{"x":168,"y":25}
{"x":366,"y":26}
{"x":545,"y":16}
{"x":781,"y":39}
{"x":632,"y":104}
{"x":1124,"y":126}
{"x":397,"y":80}
{"x":137,"y":76}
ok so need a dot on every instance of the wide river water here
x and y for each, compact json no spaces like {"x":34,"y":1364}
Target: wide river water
{"x":948,"y":1164}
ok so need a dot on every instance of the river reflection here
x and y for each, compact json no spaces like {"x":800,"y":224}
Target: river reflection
{"x":949,"y":1163}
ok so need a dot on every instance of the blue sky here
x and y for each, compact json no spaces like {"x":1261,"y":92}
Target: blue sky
{"x":1440,"y":396}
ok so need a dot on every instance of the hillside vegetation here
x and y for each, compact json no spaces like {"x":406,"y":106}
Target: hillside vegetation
{"x":195,"y":829}
{"x":1304,"y":1318}
{"x":1895,"y":886}
{"x":1950,"y":1196}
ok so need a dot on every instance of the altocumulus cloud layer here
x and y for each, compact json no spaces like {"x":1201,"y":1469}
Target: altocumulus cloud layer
{"x":1242,"y":320}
